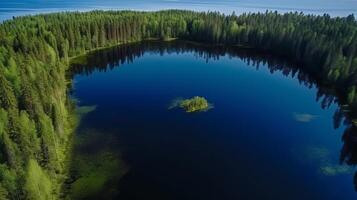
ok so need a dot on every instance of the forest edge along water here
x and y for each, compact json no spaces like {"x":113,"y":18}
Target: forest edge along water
{"x":37,"y":115}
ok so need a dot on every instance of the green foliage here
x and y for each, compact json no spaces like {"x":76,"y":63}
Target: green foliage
{"x":7,"y":98}
{"x":195,"y":104}
{"x":35,"y":51}
{"x":38,"y":185}
{"x":11,"y":74}
{"x":4,"y":195}
{"x":3,"y":121}
{"x":8,"y":179}
{"x":28,"y":135}
{"x":351,"y":96}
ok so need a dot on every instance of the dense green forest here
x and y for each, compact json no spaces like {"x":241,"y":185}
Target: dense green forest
{"x":37,"y":117}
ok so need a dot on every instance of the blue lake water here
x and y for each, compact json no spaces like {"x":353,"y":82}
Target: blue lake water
{"x":10,"y":8}
{"x":267,"y":136}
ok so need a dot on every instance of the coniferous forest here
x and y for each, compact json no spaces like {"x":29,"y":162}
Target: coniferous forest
{"x":37,"y":117}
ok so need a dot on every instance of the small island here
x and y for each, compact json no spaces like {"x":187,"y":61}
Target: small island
{"x":195,"y":104}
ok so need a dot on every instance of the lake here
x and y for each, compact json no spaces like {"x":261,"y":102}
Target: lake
{"x":272,"y":132}
{"x":10,"y":8}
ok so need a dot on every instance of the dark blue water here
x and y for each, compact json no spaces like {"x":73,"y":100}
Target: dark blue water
{"x":267,"y":136}
{"x":10,"y":8}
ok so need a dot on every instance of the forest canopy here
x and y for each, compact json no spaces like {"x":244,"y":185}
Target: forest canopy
{"x":37,"y":116}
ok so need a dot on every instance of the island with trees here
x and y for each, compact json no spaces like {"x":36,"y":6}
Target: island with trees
{"x":195,"y":104}
{"x":38,"y":117}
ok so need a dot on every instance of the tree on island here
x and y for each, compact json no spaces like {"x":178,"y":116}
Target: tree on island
{"x":195,"y":104}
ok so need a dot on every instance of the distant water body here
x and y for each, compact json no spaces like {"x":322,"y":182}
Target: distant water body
{"x":10,"y":8}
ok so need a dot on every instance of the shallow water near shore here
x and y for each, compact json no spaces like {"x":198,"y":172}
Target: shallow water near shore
{"x":267,"y":137}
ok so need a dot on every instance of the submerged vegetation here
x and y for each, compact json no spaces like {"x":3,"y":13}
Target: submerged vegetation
{"x":195,"y":104}
{"x":335,"y":170}
{"x":304,"y":117}
{"x":323,"y":159}
{"x":91,"y":173}
{"x":83,"y":110}
{"x":36,"y":114}
{"x":94,"y":173}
